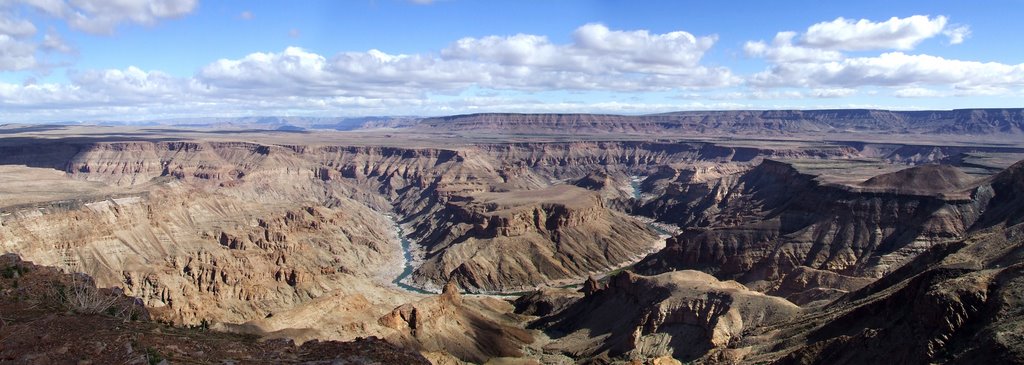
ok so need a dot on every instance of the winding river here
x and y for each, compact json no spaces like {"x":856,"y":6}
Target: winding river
{"x":409,"y":256}
{"x":409,"y":261}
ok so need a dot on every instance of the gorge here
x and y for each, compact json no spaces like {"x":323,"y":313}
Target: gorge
{"x":498,"y":238}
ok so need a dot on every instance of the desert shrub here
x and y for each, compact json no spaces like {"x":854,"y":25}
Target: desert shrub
{"x":153,"y":356}
{"x":10,"y":272}
{"x":82,"y":297}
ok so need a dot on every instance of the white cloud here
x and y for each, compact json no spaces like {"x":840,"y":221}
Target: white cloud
{"x":815,"y":59}
{"x":18,"y":44}
{"x":768,"y":94}
{"x":53,"y":42}
{"x":131,"y":82}
{"x":17,"y":28}
{"x":517,"y":50}
{"x":833,"y":92}
{"x":595,"y":49}
{"x":824,"y":41}
{"x":636,"y":49}
{"x":917,"y":92}
{"x":895,"y":33}
{"x":16,"y":54}
{"x":103,"y":16}
{"x":378,"y":82}
{"x":599,"y":59}
{"x":782,"y":50}
{"x":987,"y":90}
{"x":957,"y":34}
{"x":595,"y":61}
{"x":246,"y":15}
{"x":892,"y":69}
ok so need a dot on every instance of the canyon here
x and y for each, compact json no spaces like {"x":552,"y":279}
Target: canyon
{"x":709,"y":237}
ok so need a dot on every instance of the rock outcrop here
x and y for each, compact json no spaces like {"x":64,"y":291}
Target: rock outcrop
{"x":470,"y":329}
{"x":53,"y":317}
{"x":681,"y":314}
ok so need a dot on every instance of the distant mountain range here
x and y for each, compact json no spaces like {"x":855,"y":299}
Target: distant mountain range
{"x":1009,"y":121}
{"x":748,"y":122}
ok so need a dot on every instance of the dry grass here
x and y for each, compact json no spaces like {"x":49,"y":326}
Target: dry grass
{"x":81,"y":296}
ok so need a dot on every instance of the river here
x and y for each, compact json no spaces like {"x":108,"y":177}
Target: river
{"x":410,"y":258}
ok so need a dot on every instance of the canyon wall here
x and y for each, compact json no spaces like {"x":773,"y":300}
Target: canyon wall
{"x":746,"y":122}
{"x":774,"y":226}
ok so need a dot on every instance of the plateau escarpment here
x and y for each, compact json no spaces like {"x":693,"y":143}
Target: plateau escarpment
{"x":746,"y":122}
{"x":773,"y":222}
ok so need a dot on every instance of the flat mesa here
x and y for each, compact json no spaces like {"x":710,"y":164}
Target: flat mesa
{"x":566,"y":195}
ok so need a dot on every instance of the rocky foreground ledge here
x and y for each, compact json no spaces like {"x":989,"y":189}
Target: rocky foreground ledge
{"x":48,"y":316}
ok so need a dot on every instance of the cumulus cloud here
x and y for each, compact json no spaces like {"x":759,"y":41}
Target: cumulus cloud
{"x":815,"y":58}
{"x":595,"y":48}
{"x":782,"y":50}
{"x":861,"y":35}
{"x":53,"y":42}
{"x":768,"y":94}
{"x":102,"y":16}
{"x":957,"y":34}
{"x":101,"y":88}
{"x":17,"y":51}
{"x":17,"y":28}
{"x":917,"y":92}
{"x":892,"y":69}
{"x":18,"y":41}
{"x":825,"y":41}
{"x":598,"y":59}
{"x":16,"y":54}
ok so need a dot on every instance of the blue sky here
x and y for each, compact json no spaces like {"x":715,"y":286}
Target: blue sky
{"x":153,"y":59}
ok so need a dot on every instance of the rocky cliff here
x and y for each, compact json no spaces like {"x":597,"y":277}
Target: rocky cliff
{"x":470,"y":329}
{"x":957,"y":303}
{"x":217,"y":231}
{"x":773,"y":220}
{"x":54,"y":317}
{"x":680,"y":315}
